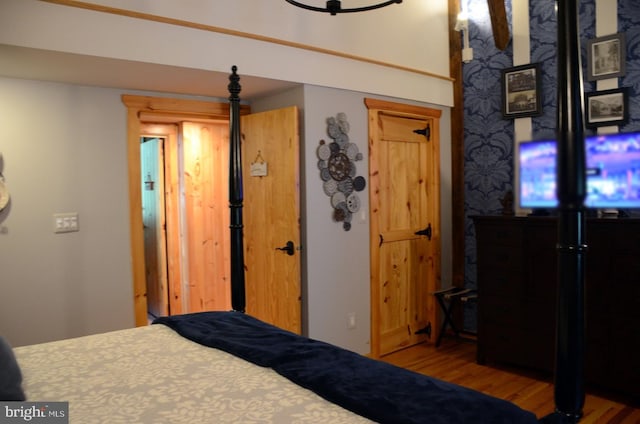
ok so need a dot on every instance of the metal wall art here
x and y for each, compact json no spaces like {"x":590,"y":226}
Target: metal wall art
{"x":336,"y":161}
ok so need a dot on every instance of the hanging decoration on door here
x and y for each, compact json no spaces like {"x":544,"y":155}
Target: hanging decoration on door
{"x":336,"y":161}
{"x":258,"y":166}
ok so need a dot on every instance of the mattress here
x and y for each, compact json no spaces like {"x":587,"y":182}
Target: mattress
{"x":153,"y":375}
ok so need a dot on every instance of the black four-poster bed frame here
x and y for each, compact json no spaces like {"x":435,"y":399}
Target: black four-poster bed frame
{"x":571,"y":245}
{"x":236,"y":194}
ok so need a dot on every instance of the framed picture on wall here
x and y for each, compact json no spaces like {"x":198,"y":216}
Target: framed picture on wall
{"x":521,"y":91}
{"x":606,"y":57}
{"x":606,"y":107}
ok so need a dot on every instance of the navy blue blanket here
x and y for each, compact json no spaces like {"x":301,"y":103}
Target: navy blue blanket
{"x":373,"y":389}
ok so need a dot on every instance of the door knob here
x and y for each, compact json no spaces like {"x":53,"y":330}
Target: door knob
{"x":287,"y":248}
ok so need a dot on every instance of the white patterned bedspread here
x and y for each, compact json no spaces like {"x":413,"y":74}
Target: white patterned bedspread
{"x":153,"y":375}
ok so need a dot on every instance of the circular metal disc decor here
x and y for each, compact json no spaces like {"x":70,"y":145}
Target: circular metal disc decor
{"x":339,"y":166}
{"x":338,"y":170}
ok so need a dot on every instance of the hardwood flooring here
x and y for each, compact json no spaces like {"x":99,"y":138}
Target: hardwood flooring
{"x":454,"y":361}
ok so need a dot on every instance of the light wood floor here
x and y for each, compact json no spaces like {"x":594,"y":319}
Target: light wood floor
{"x":454,"y":361}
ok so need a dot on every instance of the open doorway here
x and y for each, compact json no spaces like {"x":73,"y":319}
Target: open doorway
{"x":270,"y":223}
{"x":184,"y":175}
{"x":154,"y":225}
{"x":144,"y":112}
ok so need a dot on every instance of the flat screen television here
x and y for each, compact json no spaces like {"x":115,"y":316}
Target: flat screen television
{"x":613,"y":172}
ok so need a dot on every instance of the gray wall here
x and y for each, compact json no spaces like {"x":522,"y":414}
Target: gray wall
{"x":64,"y":150}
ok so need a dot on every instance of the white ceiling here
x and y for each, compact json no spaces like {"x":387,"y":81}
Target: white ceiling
{"x":28,"y":63}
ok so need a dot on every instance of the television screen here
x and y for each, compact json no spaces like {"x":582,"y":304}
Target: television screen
{"x":613,"y":172}
{"x":537,"y":164}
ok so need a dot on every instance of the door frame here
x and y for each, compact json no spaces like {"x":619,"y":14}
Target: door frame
{"x":169,"y":133}
{"x":157,"y":110}
{"x":410,"y":111}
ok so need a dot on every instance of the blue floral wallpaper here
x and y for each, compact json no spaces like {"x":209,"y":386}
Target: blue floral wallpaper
{"x":488,"y":138}
{"x":629,"y":24}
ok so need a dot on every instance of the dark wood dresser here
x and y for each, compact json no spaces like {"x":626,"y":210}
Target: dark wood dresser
{"x":517,"y":280}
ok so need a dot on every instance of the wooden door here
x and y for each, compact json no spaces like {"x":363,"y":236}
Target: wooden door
{"x":272,"y":216}
{"x":205,"y":215}
{"x":153,"y":220}
{"x":405,"y":223}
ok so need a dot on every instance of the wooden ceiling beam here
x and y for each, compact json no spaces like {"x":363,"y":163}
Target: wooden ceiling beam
{"x":499,"y":23}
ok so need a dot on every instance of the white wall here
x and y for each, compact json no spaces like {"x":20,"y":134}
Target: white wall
{"x":397,"y":34}
{"x":411,"y":35}
{"x":64,"y":150}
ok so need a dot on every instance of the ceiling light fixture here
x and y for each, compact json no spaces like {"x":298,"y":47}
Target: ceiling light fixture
{"x":334,"y":7}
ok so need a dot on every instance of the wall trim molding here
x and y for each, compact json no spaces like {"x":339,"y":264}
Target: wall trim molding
{"x":521,"y":56}
{"x":606,"y":24}
{"x":241,"y":34}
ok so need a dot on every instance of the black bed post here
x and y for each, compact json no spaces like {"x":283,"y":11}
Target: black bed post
{"x":235,"y":195}
{"x":571,"y":247}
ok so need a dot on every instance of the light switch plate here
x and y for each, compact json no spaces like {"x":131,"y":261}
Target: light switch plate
{"x":65,"y":222}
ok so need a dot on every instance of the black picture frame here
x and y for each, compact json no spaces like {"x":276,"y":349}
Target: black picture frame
{"x":607,"y":107}
{"x":521,"y":91}
{"x":606,"y":57}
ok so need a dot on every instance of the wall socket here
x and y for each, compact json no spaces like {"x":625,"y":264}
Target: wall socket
{"x":467,"y":54}
{"x":65,"y":222}
{"x":351,"y":320}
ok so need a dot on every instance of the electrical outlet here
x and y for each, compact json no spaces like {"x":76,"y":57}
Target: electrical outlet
{"x":65,"y":222}
{"x":351,"y":320}
{"x":467,"y":54}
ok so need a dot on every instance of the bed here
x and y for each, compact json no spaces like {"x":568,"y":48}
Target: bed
{"x":230,"y":367}
{"x":153,"y":375}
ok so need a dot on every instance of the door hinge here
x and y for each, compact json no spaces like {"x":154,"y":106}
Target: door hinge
{"x":426,"y":330}
{"x":425,"y":232}
{"x":426,"y":132}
